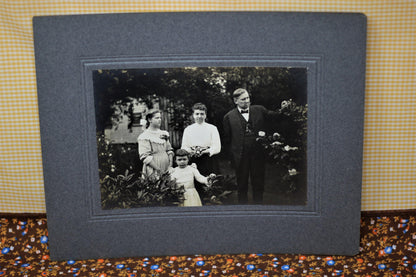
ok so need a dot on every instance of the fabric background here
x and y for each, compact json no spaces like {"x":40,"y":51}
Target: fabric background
{"x":389,"y":174}
{"x":387,"y":248}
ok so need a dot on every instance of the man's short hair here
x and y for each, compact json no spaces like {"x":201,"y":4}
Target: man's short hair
{"x":200,"y":107}
{"x":181,"y":153}
{"x":238,"y":92}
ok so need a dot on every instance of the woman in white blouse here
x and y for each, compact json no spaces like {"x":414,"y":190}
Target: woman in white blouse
{"x":202,"y":141}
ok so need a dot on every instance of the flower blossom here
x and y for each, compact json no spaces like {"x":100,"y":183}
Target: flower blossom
{"x":285,"y":103}
{"x":292,"y":171}
{"x":288,"y":148}
{"x":276,"y":143}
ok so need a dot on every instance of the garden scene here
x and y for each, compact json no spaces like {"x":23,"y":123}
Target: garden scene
{"x":124,"y":97}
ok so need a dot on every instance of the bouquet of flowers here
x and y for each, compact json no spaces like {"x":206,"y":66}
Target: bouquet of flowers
{"x":198,"y":151}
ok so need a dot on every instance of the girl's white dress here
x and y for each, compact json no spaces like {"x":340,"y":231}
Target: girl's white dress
{"x":185,"y":177}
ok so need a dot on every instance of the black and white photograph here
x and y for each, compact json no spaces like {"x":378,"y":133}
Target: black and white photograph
{"x":198,"y":136}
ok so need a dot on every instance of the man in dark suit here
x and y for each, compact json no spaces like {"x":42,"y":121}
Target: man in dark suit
{"x":241,"y":127}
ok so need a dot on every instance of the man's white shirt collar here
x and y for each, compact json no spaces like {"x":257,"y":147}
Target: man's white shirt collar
{"x":245,"y":115}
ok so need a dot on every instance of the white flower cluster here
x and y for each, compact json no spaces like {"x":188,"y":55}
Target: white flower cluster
{"x":292,"y":171}
{"x":289,"y":148}
{"x":286,"y":103}
{"x":276,"y":143}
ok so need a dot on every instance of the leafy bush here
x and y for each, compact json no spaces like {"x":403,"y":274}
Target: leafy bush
{"x":289,"y":153}
{"x":130,"y":191}
{"x":115,"y":159}
{"x":218,"y":189}
{"x":120,"y":190}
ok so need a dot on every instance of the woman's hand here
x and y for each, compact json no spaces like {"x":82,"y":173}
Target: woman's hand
{"x":192,"y":153}
{"x":206,"y":151}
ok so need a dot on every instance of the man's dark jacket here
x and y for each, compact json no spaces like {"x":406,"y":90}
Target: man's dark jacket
{"x":234,"y":128}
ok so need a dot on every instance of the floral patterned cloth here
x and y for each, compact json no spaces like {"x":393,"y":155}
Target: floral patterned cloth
{"x":387,"y":249}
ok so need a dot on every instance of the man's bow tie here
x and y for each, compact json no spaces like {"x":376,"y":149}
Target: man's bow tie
{"x":244,"y":111}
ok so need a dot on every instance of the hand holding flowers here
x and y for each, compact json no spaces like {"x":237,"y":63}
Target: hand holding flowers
{"x":198,"y":151}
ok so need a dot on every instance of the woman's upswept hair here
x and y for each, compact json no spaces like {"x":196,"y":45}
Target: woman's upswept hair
{"x":200,"y":107}
{"x":150,"y":115}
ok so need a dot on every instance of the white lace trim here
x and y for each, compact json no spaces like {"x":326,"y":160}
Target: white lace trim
{"x":154,"y":136}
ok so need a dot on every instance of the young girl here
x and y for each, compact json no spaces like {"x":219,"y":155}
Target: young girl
{"x":185,"y":175}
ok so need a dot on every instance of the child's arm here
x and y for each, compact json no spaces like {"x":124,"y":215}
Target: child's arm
{"x":200,"y":178}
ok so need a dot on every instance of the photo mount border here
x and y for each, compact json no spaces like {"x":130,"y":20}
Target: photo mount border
{"x":312,"y":64}
{"x":62,"y":42}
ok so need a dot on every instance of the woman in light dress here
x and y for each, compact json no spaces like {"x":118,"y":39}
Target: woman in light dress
{"x":155,"y":150}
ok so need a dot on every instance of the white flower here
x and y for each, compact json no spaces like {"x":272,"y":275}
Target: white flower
{"x":288,"y":148}
{"x":262,"y":134}
{"x":276,"y":143}
{"x":292,"y":172}
{"x":286,"y":103}
{"x":276,"y":135}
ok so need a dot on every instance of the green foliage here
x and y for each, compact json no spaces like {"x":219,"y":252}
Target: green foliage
{"x":115,"y":159}
{"x":218,"y":189}
{"x":183,"y":87}
{"x":130,"y":191}
{"x":119,"y":189}
{"x":298,"y":115}
{"x":289,"y":153}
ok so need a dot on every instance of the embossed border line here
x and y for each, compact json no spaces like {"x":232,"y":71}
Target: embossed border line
{"x":314,"y":65}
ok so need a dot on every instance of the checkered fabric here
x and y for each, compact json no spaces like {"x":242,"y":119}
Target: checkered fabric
{"x":389,"y":175}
